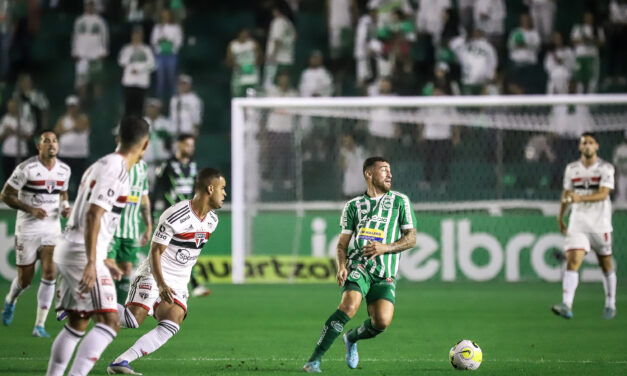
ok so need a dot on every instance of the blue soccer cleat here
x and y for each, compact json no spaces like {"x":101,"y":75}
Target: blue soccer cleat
{"x":563,"y":310}
{"x":7,"y":313}
{"x":121,"y":368}
{"x":312,"y":367}
{"x":40,"y":332}
{"x":609,"y":313}
{"x":352,"y":356}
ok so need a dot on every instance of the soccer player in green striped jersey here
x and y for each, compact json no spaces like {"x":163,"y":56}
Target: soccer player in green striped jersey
{"x":375,"y":228}
{"x":128,"y":238}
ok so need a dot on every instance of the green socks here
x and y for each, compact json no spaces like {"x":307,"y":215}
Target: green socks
{"x":365,"y":331}
{"x":121,"y":288}
{"x":333,"y":327}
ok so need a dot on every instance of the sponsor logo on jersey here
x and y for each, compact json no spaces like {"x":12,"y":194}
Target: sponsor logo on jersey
{"x":185,"y":219}
{"x":370,"y":234}
{"x":145,"y":286}
{"x":183,"y":256}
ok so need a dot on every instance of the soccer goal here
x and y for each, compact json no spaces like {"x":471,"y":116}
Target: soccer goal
{"x":484,"y":173}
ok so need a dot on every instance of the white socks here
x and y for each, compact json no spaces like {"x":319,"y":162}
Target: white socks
{"x":44,"y":300}
{"x":15,"y":291}
{"x":569,"y":285}
{"x":127,"y":320}
{"x":609,"y":286}
{"x":62,"y":350}
{"x":150,"y":341}
{"x":89,"y":351}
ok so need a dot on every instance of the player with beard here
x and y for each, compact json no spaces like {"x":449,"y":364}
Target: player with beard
{"x":380,"y":224}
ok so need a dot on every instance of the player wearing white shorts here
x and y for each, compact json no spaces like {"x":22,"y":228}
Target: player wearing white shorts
{"x":37,"y":188}
{"x":85,"y":288}
{"x":587,"y":186}
{"x":160,"y":284}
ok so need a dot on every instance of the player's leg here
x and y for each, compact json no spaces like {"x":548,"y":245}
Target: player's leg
{"x":576,"y":246}
{"x":602,"y":245}
{"x":45,"y":294}
{"x":65,"y":343}
{"x":142,"y":296}
{"x":25,"y":258}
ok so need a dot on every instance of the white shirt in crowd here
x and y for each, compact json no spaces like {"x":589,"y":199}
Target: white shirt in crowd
{"x":105,"y":184}
{"x":618,"y":12}
{"x":489,"y":16}
{"x":73,"y":144}
{"x":340,"y":13}
{"x":559,"y":65}
{"x":278,"y":120}
{"x":171,"y":32}
{"x":590,"y":217}
{"x":186,"y":112}
{"x":14,"y":146}
{"x":429,"y":17}
{"x":138,"y":62}
{"x":281,"y":30}
{"x":583,"y":48}
{"x":437,"y":125}
{"x":316,"y":82}
{"x":380,"y":124}
{"x":478,"y":60}
{"x":90,"y":39}
{"x":157,"y":150}
{"x":353,"y":182}
{"x":366,"y":30}
{"x":571,"y":121}
{"x":620,"y":162}
{"x":526,"y":53}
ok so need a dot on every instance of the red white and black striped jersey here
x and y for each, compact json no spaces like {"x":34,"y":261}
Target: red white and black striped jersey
{"x":105,"y":184}
{"x":185,"y":234}
{"x":592,"y":217}
{"x":39,"y":187}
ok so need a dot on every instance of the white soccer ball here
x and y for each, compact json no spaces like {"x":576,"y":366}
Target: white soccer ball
{"x":466,"y":354}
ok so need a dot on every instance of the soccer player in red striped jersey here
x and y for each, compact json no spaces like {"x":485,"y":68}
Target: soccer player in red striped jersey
{"x":85,"y":290}
{"x":37,"y":189}
{"x":587,"y":185}
{"x":160,"y":286}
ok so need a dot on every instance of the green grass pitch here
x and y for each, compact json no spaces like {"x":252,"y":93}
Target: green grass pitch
{"x":271,"y":330}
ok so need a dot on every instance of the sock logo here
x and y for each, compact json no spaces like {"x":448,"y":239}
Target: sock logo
{"x":324,"y":332}
{"x":338,"y":326}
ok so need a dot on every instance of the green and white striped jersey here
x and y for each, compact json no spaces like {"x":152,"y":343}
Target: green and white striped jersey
{"x":376,"y":219}
{"x":131,"y":215}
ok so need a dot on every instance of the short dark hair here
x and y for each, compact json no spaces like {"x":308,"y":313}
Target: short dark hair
{"x":40,"y":133}
{"x":205,"y":176}
{"x":370,"y":162}
{"x":589,"y":134}
{"x":132,"y":129}
{"x":184,"y":136}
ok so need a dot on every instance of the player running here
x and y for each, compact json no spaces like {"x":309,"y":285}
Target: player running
{"x":37,"y":188}
{"x":160,"y":287}
{"x":587,"y":185}
{"x":381,"y":224}
{"x":86,"y":287}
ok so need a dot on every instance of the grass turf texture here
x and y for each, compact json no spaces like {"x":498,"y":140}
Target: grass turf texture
{"x":272,"y":329}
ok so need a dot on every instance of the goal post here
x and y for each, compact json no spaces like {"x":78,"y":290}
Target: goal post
{"x":304,"y":126}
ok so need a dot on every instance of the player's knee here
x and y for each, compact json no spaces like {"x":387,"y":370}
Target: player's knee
{"x":381,"y":322}
{"x":349,"y":308}
{"x":112,"y":322}
{"x":48,"y":274}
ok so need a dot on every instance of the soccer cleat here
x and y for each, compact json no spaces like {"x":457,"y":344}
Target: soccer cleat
{"x":121,"y":368}
{"x":61,"y":315}
{"x":40,"y":332}
{"x":312,"y":367}
{"x":609,"y":313}
{"x":352,"y":356}
{"x":200,"y":291}
{"x":7,"y":313}
{"x":562,"y":309}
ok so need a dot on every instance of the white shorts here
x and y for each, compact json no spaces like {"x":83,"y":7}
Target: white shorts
{"x":101,"y":298}
{"x":27,"y":247}
{"x":144,"y":292}
{"x":600,"y":243}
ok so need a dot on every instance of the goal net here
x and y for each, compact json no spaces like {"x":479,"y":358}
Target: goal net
{"x":484,"y":174}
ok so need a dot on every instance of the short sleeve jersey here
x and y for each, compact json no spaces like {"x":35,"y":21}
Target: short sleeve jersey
{"x":39,"y":187}
{"x":184,"y":233}
{"x":376,"y":219}
{"x":131,"y":216}
{"x":590,"y":217}
{"x":105,"y":184}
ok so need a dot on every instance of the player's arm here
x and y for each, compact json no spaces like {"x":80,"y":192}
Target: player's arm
{"x":600,"y":195}
{"x":65,"y":204}
{"x":92,"y":228}
{"x":156,"y":250}
{"x":146,"y":214}
{"x":564,"y":202}
{"x":9,"y":196}
{"x":341,"y":257}
{"x":407,"y":241}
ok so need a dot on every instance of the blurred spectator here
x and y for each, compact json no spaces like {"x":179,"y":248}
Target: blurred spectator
{"x":523,"y":46}
{"x":404,"y":78}
{"x":175,"y":177}
{"x":73,"y":132}
{"x":138,"y":62}
{"x":166,"y":40}
{"x":478,"y":61}
{"x":352,"y":158}
{"x":385,"y":9}
{"x":316,"y":81}
{"x":244,"y":56}
{"x":617,"y":41}
{"x":559,"y":63}
{"x":438,"y":137}
{"x":587,"y":38}
{"x":542,"y":14}
{"x":489,"y":16}
{"x":539,"y":148}
{"x":341,"y":16}
{"x":177,"y":8}
{"x":466,"y":14}
{"x":33,"y":105}
{"x":186,"y":108}
{"x":382,"y":130}
{"x":90,"y":45}
{"x":279,"y":47}
{"x":25,"y":23}
{"x":6,"y":31}
{"x":364,"y":37}
{"x":429,"y":18}
{"x":15,"y":132}
{"x":444,"y":53}
{"x":620,"y":162}
{"x":140,"y":13}
{"x":441,"y":81}
{"x":162,"y":134}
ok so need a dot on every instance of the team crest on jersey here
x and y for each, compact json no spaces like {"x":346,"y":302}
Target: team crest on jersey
{"x":200,"y":236}
{"x":387,"y":204}
{"x":50,"y":185}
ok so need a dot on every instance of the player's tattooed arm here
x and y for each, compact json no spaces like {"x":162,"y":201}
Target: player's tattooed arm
{"x":407,"y":241}
{"x":9,"y":196}
{"x":340,"y":258}
{"x":165,"y":292}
